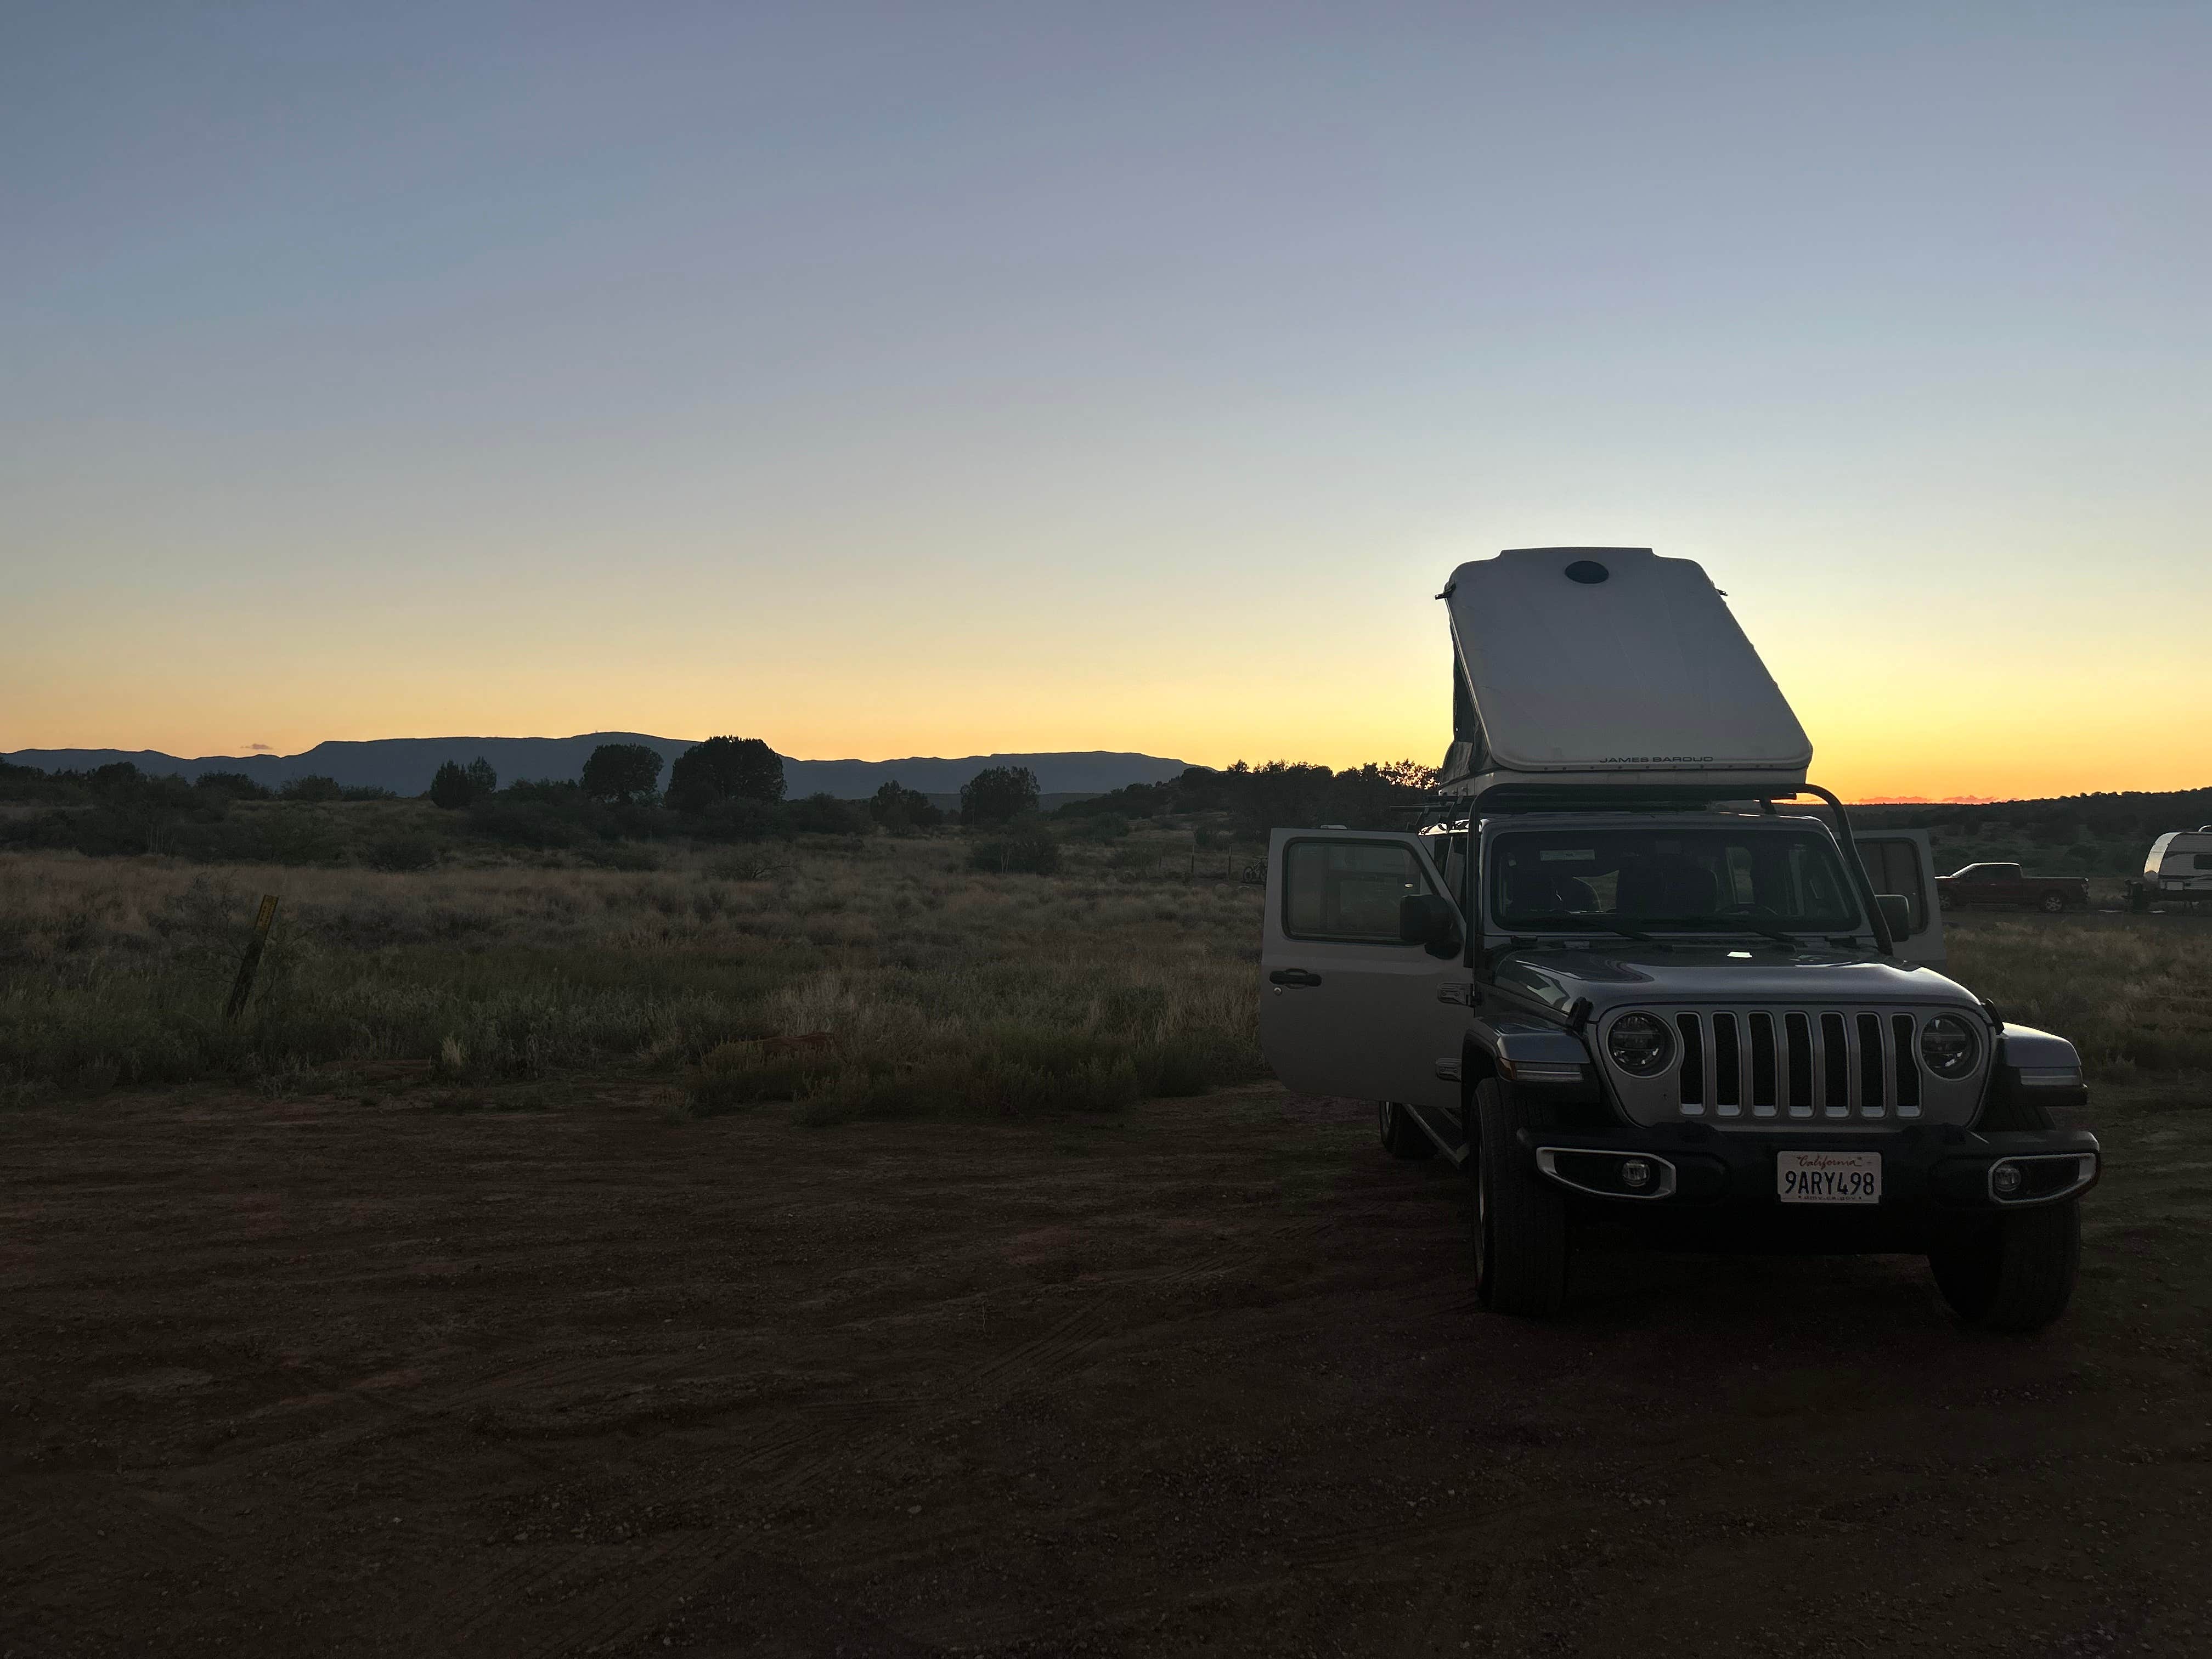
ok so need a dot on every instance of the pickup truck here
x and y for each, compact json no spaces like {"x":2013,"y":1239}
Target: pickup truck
{"x":2006,"y":884}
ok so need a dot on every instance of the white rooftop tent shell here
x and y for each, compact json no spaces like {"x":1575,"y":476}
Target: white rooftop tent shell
{"x":1587,"y":672}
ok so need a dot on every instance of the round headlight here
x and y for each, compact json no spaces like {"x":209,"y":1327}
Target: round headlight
{"x":1640,"y":1044}
{"x":1947,"y":1043}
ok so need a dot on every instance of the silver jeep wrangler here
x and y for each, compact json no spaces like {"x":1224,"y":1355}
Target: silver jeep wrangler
{"x":1633,"y":991}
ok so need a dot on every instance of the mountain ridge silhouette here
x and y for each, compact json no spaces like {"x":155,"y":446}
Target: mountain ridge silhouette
{"x":404,"y":765}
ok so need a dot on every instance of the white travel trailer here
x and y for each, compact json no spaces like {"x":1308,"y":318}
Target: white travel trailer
{"x":2179,"y":867}
{"x":1615,"y":982}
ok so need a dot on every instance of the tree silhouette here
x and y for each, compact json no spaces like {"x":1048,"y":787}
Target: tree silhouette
{"x":624,"y":772}
{"x":998,"y":794}
{"x":724,"y":769}
{"x":898,"y":808}
{"x":455,"y":786}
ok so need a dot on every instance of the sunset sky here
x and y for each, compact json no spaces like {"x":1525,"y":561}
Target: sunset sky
{"x":943,"y":380}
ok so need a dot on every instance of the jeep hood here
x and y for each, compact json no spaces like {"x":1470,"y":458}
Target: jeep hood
{"x":1560,"y":975}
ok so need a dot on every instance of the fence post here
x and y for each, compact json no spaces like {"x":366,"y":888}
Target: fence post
{"x":243,"y":986}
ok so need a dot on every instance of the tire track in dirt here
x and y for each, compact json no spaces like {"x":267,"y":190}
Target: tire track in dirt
{"x":1385,"y":1550}
{"x":96,"y":1519}
{"x":993,"y":1378}
{"x":656,"y":1582}
{"x":635,"y":1606}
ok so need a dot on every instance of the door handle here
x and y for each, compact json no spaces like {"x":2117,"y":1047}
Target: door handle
{"x":1293,"y":976}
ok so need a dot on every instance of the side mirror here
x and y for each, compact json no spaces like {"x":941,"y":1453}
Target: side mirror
{"x":1897,"y":912}
{"x":1430,"y":923}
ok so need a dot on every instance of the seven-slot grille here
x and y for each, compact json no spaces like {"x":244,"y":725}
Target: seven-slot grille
{"x":1806,"y":1065}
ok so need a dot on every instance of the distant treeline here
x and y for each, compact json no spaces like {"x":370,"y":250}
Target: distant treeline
{"x":726,"y":789}
{"x":2096,"y":835}
{"x":1280,"y":794}
{"x":732,"y":789}
{"x":119,"y":808}
{"x":2138,"y":815}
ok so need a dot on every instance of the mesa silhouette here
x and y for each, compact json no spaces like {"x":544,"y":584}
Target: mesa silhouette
{"x":406,"y":765}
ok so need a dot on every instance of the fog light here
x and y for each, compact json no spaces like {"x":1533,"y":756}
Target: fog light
{"x":2004,"y":1180}
{"x":1635,"y":1172}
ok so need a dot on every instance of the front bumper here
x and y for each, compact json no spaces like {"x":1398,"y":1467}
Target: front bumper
{"x":1926,"y":1173}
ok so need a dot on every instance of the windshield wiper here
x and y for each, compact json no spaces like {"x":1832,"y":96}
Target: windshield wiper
{"x":1724,"y":925}
{"x":1583,"y":923}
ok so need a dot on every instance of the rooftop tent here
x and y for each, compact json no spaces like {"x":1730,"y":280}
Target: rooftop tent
{"x":1585,"y":672}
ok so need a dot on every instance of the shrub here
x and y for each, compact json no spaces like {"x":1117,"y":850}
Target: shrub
{"x":998,"y":794}
{"x":299,"y":838}
{"x":1026,"y":849}
{"x":742,"y":866}
{"x":455,"y":786}
{"x":401,"y":853}
{"x":825,"y":815}
{"x":724,"y":769}
{"x":230,"y":786}
{"x":741,"y":819}
{"x":555,"y":791}
{"x":311,"y":788}
{"x":901,"y":810}
{"x":618,"y":855}
{"x":524,"y":824}
{"x":736,"y":1074}
{"x":623,"y":772}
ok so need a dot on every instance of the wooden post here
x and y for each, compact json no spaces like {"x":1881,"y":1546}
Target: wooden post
{"x":243,"y":988}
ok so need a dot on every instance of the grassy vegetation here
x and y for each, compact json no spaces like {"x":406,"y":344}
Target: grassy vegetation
{"x":2133,"y":992}
{"x":855,"y":976}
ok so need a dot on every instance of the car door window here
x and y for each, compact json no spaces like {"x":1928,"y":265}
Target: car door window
{"x":1449,"y":854}
{"x":1893,"y":866}
{"x":1348,"y":889}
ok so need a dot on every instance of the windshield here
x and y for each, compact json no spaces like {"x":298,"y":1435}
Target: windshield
{"x":1691,"y":878}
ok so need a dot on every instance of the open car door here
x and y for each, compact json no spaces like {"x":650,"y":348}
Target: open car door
{"x":1346,"y":1007}
{"x":1899,"y":861}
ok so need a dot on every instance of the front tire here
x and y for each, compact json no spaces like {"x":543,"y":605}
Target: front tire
{"x":1520,"y":1218}
{"x":2052,"y":903}
{"x":1401,"y":1136}
{"x":2012,"y":1272}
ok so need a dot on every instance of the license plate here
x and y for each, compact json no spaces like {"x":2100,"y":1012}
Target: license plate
{"x":1828,"y":1177}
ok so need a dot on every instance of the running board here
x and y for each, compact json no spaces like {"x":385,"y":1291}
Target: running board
{"x":1443,"y":1128}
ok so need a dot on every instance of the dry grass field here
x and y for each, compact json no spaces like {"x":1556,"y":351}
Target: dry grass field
{"x":919,"y":985}
{"x":874,"y":977}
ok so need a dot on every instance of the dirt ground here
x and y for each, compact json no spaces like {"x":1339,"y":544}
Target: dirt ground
{"x":376,"y":1376}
